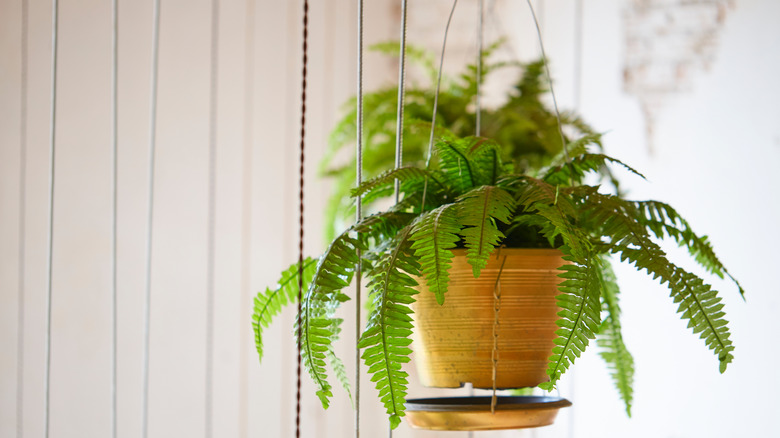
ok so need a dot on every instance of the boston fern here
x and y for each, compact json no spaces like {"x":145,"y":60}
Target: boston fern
{"x":471,"y":198}
{"x":522,"y":124}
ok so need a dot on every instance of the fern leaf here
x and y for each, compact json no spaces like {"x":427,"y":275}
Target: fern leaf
{"x":455,"y":165}
{"x":663,"y":220}
{"x":576,"y":169}
{"x":478,"y":212}
{"x":557,"y":207}
{"x":579,"y":317}
{"x":338,"y":366}
{"x":620,"y":223}
{"x":485,"y":156}
{"x":386,"y":338}
{"x":317,"y":327}
{"x":433,"y":236}
{"x":269,"y":304}
{"x":610,"y":339}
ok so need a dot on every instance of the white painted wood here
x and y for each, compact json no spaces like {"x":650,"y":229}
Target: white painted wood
{"x":727,"y":121}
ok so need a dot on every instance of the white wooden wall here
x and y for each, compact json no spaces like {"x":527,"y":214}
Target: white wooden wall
{"x":716,"y":150}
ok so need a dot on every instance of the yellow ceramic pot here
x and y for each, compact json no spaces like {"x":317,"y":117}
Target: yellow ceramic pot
{"x":454,"y":342}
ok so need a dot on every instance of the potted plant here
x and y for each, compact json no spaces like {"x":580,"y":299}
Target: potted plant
{"x":468,"y":207}
{"x":522,"y":124}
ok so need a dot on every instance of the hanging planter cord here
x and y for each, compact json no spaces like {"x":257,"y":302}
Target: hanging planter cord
{"x":300,"y":214}
{"x":358,"y":209}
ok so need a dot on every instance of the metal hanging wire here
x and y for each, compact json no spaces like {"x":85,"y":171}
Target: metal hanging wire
{"x":150,"y":216}
{"x":50,"y":236}
{"x":399,"y":129}
{"x":300,"y":212}
{"x":429,"y":154}
{"x":358,"y":209}
{"x":549,"y":79}
{"x":114,"y":200}
{"x":211,"y":238}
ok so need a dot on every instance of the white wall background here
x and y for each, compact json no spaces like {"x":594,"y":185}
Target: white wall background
{"x":716,"y":150}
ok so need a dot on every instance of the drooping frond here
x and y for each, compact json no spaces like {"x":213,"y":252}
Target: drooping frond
{"x":384,"y":183}
{"x":698,"y":302}
{"x":478,"y":211}
{"x":610,"y":338}
{"x":579,"y":316}
{"x":334,"y":271}
{"x":386,"y":338}
{"x":269,"y":304}
{"x":434,"y":236}
{"x":663,"y":220}
{"x":338,"y":366}
{"x":575,"y":170}
{"x":315,"y":324}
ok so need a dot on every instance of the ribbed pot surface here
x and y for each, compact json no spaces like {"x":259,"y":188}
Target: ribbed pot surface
{"x":453,"y":343}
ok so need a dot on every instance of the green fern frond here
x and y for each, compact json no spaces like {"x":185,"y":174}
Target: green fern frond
{"x":575,"y":170}
{"x":556,"y":205}
{"x":580,"y":317}
{"x":663,"y":220}
{"x":478,"y":211}
{"x":610,"y":338}
{"x":269,"y":304}
{"x":433,"y":236}
{"x":386,"y":338}
{"x":619,"y":222}
{"x":315,"y":324}
{"x":485,"y":155}
{"x":338,"y":366}
{"x":455,"y":165}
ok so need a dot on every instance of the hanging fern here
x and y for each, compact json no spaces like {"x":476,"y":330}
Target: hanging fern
{"x":385,"y":340}
{"x":478,"y":211}
{"x":610,"y":338}
{"x":579,"y":316}
{"x":698,"y":303}
{"x":269,"y":304}
{"x":434,"y":237}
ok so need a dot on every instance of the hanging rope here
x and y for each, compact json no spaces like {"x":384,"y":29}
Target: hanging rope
{"x":300,"y":213}
{"x":549,"y":79}
{"x":114,"y":207}
{"x":399,"y":129}
{"x":480,"y":33}
{"x":210,"y":251}
{"x":496,"y":309}
{"x":150,"y":215}
{"x":436,"y":102}
{"x":358,"y":210}
{"x":50,"y":236}
{"x":22,"y":220}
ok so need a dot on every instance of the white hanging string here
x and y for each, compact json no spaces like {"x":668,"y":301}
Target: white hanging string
{"x":399,"y":130}
{"x":436,"y":101}
{"x":210,"y":250}
{"x":22,"y":220}
{"x":114,"y":200}
{"x":150,"y":210}
{"x":358,"y":209}
{"x":549,"y":79}
{"x":50,"y":236}
{"x":246,"y":218}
